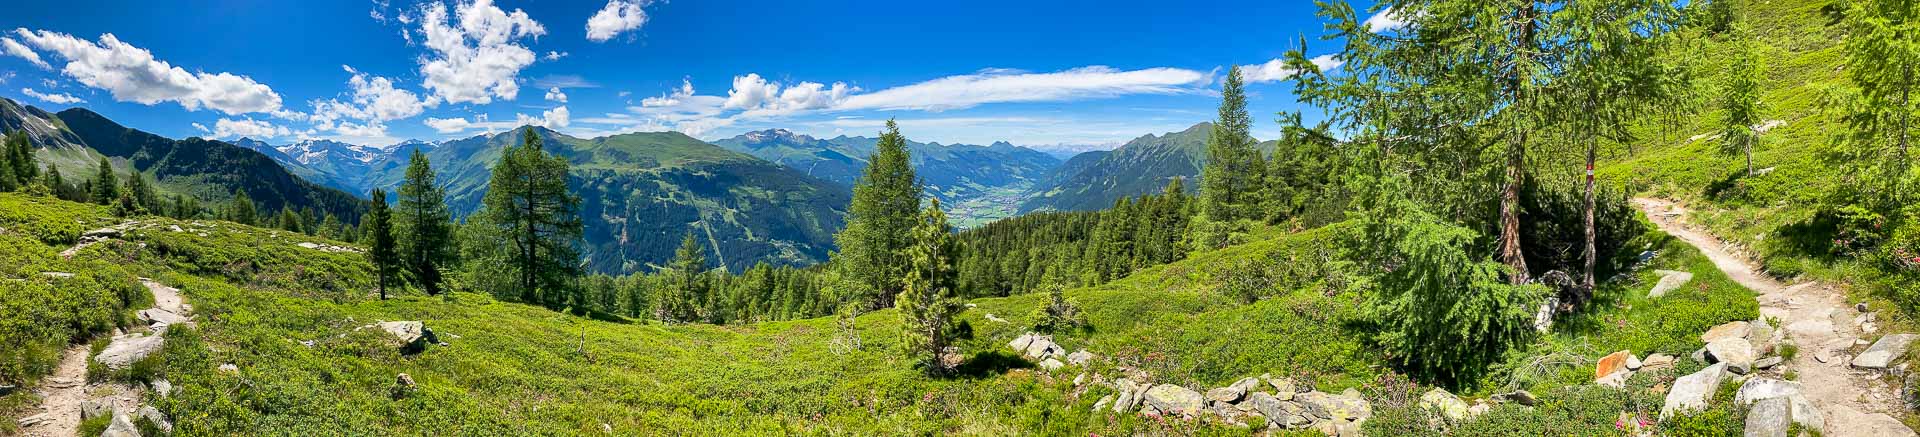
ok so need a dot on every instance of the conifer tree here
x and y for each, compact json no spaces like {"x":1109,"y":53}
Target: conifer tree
{"x":929,"y":299}
{"x":537,"y":221}
{"x":1231,"y":183}
{"x":329,"y":227}
{"x":687,"y":288}
{"x":19,"y":151}
{"x":241,"y":209}
{"x":423,"y":226}
{"x":885,"y":202}
{"x":379,"y":237}
{"x":289,"y":221}
{"x":1882,"y":53}
{"x":106,"y":186}
{"x":1740,"y":97}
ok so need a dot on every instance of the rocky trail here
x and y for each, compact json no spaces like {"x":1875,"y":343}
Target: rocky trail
{"x":1818,"y":319}
{"x":68,"y":398}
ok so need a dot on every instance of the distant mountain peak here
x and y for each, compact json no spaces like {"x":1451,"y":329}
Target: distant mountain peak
{"x":776,"y":135}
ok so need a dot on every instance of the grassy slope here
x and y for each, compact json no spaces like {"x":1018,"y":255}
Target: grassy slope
{"x":516,"y":369}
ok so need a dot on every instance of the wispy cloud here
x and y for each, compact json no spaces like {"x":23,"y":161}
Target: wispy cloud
{"x":1277,"y":69}
{"x":54,"y":98}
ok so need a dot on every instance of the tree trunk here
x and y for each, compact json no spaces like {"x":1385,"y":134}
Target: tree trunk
{"x":1586,"y":284}
{"x":1510,"y":251}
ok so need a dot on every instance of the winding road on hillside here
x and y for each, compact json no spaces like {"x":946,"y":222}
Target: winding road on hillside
{"x":1818,"y":320}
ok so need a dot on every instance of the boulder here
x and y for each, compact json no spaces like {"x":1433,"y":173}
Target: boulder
{"x":1283,"y":388}
{"x":159,"y":318}
{"x":1736,"y":352}
{"x":124,"y":351}
{"x":1344,"y":407}
{"x":1233,"y":393}
{"x":1129,"y":394}
{"x":1884,"y":351}
{"x":92,"y":408}
{"x":1052,"y":364}
{"x":1768,"y":362}
{"x":1806,"y":413}
{"x":1174,"y":399}
{"x":1521,"y":397}
{"x":1611,"y":364}
{"x":1102,"y":404}
{"x":413,"y":335}
{"x":1692,"y":392}
{"x":1657,"y":361}
{"x":1633,"y":362}
{"x":122,"y":426}
{"x":1769,"y":418}
{"x":1669,"y":281}
{"x":1726,"y":330}
{"x":1759,"y":389}
{"x":1080,"y":358}
{"x":154,"y":415}
{"x":1440,"y":401}
{"x":1616,"y":380}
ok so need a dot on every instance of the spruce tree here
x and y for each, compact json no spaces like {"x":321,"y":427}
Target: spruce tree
{"x":106,"y":186}
{"x":1740,"y":98}
{"x":885,"y":202}
{"x":929,"y":298}
{"x":20,"y":153}
{"x":290,"y":221}
{"x":681,"y":300}
{"x":537,"y":220}
{"x":329,"y":227}
{"x":241,"y":209}
{"x":379,"y":237}
{"x":1231,"y":183}
{"x":423,"y":225}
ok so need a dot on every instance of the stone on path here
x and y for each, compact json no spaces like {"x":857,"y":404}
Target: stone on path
{"x":1736,"y":353}
{"x":1769,"y":418}
{"x":124,"y":351}
{"x":1692,"y":392}
{"x":1759,"y":389}
{"x":122,"y":426}
{"x":1883,"y":352}
{"x":1735,"y":329}
{"x":1173,"y":399}
{"x":1669,"y":281}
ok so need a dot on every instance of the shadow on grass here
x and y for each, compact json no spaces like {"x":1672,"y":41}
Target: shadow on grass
{"x":1592,"y":318}
{"x":989,"y":364}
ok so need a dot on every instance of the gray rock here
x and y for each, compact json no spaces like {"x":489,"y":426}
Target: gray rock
{"x":1080,"y":380}
{"x":1129,"y":396}
{"x":1174,"y":399}
{"x":1657,"y":361}
{"x":1669,"y":281}
{"x":1736,"y":329}
{"x":1440,"y":401}
{"x":1020,"y":344}
{"x":159,"y":318}
{"x":1283,"y":388}
{"x":124,"y":351}
{"x":1700,"y":356}
{"x":1080,"y":358}
{"x":1768,"y":362}
{"x":413,"y":335}
{"x":1103,"y":403}
{"x":1233,"y":393}
{"x":1521,"y":397}
{"x":1692,"y":392}
{"x":163,"y":387}
{"x":1737,"y":353}
{"x":154,"y":415}
{"x":1051,"y":364}
{"x":92,"y":408}
{"x":1760,"y":389}
{"x":1769,"y":418}
{"x":122,"y":426}
{"x":1883,"y":352}
{"x":1345,"y":407}
{"x":1806,"y":413}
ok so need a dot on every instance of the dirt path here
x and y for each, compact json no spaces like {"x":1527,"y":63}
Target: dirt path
{"x":1819,"y":320}
{"x":63,"y":393}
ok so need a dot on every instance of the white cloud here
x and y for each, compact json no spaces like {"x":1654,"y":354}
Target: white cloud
{"x":965,"y":91}
{"x":476,"y":58}
{"x":373,"y":101}
{"x":247,"y":127}
{"x":554,"y":95}
{"x":555,"y":56}
{"x":619,"y":16}
{"x":1276,"y":70}
{"x":54,"y":98}
{"x":552,"y":119}
{"x":750,"y":92}
{"x":132,"y":74}
{"x":20,"y":50}
{"x":201,"y":127}
{"x":1385,"y":20}
{"x":448,"y":125}
{"x":679,"y":94}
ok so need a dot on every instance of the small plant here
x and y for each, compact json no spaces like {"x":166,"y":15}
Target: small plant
{"x":1058,"y":313}
{"x":1787,"y":350}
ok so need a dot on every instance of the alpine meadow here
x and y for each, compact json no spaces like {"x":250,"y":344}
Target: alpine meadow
{"x":1381,"y":218}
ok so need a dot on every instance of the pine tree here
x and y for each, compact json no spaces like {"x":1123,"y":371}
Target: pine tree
{"x":106,"y":186}
{"x":241,"y":209}
{"x":1231,"y":183}
{"x":537,"y":220}
{"x":20,"y":152}
{"x":885,"y":202}
{"x":289,"y":221}
{"x":687,"y":286}
{"x":423,"y":225}
{"x":330,"y":227}
{"x":929,"y":300}
{"x":1740,"y":97}
{"x":379,"y":236}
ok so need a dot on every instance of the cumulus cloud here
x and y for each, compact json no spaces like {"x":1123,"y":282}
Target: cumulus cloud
{"x":1277,"y":70}
{"x":555,"y":56}
{"x":554,"y":95}
{"x":1385,"y":20}
{"x":131,"y":74}
{"x":372,"y":100}
{"x":448,"y":125}
{"x":54,"y":98}
{"x":246,"y":127}
{"x":619,"y":16}
{"x":678,"y":95}
{"x":552,"y":119}
{"x":476,"y":57}
{"x":21,"y":51}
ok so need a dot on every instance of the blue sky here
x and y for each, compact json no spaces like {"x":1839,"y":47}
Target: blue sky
{"x":1046,"y":74}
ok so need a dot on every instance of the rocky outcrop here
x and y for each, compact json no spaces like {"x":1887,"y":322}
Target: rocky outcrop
{"x":125,"y":350}
{"x":1736,"y":353}
{"x":1172,"y":399}
{"x":1036,"y":346}
{"x":413,"y":335}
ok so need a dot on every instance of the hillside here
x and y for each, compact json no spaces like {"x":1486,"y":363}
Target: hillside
{"x":289,"y":327}
{"x":643,"y":191}
{"x":980,"y":183}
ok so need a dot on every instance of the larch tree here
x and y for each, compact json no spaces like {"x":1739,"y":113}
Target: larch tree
{"x":423,"y":226}
{"x":886,"y":200}
{"x":378,"y":226}
{"x":1740,"y":97}
{"x":241,"y":209}
{"x":1882,"y":51}
{"x":683,"y":297}
{"x":527,"y":205}
{"x":1232,"y":181}
{"x":929,"y":298}
{"x":106,"y":186}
